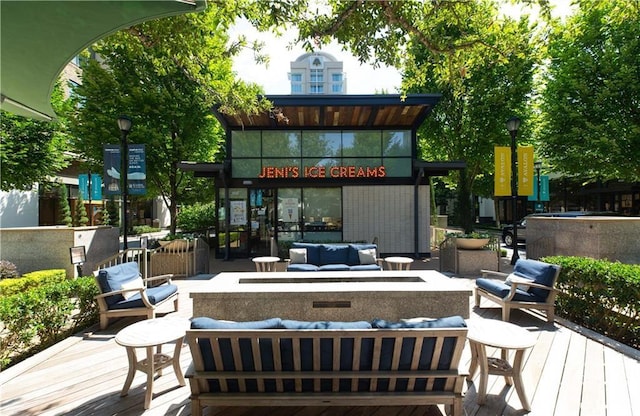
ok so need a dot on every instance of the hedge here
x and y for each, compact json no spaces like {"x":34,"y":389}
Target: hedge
{"x":30,"y":280}
{"x":600,"y":295}
{"x":44,"y":314}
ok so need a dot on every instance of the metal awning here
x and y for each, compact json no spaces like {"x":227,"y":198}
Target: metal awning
{"x":39,"y":38}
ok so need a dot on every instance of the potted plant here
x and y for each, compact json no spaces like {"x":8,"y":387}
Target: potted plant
{"x":470,"y":241}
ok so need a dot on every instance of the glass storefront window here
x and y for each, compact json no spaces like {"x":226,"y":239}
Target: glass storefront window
{"x":289,"y":214}
{"x":246,"y":168}
{"x":321,"y":144}
{"x":245,"y":143}
{"x":396,"y":143}
{"x":281,"y":144}
{"x":361,"y":143}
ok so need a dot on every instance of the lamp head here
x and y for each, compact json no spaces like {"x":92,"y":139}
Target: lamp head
{"x":513,"y":124}
{"x":537,"y":165}
{"x":124,"y":123}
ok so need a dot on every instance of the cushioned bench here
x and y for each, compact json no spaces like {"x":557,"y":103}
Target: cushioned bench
{"x":311,"y":257}
{"x":279,"y":362}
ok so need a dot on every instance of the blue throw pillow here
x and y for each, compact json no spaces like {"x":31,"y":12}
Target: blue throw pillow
{"x":210,"y":323}
{"x":455,"y":321}
{"x":313,"y":252}
{"x":334,"y":254}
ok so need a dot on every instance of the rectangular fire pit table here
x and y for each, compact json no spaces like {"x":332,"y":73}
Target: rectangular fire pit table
{"x":331,"y":296}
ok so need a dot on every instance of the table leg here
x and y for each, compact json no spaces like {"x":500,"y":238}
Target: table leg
{"x":150,"y":373}
{"x":133,"y":361}
{"x":484,"y":373}
{"x":504,"y":354}
{"x":517,"y":379}
{"x":176,"y":362}
{"x":474,"y":360}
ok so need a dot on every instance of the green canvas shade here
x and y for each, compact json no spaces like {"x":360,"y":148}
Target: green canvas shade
{"x":39,"y":38}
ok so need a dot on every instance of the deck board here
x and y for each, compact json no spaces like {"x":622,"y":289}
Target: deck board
{"x":565,"y":373}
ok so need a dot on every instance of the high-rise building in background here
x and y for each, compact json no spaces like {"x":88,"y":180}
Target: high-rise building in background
{"x":317,"y":73}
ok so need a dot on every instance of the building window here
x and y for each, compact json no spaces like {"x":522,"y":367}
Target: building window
{"x":316,"y":89}
{"x":316,"y":75}
{"x":296,"y":88}
{"x":336,"y":88}
{"x":296,"y":83}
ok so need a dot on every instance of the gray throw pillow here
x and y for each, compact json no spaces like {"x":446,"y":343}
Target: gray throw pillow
{"x":298,"y":255}
{"x":367,"y":256}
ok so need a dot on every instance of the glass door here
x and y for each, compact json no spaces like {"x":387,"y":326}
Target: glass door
{"x":262,"y":208}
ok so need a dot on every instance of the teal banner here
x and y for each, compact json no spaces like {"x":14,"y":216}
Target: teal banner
{"x":544,"y":189}
{"x":137,"y":174}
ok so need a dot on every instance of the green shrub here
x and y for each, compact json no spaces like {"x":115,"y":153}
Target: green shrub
{"x":41,"y":315}
{"x":30,"y":280}
{"x":197,"y":217}
{"x":143,"y":229}
{"x":600,"y":295}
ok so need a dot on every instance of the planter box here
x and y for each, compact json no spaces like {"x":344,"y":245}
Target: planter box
{"x":471,"y":243}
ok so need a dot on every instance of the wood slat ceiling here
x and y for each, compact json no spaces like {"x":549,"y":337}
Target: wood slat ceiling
{"x":338,"y":111}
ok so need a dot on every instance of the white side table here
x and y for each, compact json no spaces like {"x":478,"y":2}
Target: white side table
{"x":150,"y":334}
{"x":485,"y":333}
{"x":399,"y":263}
{"x":266,"y":263}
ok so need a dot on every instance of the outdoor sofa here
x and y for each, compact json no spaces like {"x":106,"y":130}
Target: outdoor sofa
{"x":278,"y":362}
{"x":311,"y":257}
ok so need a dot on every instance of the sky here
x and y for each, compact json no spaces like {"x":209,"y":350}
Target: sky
{"x":361,"y":78}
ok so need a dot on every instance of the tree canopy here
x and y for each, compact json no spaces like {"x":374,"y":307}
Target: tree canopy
{"x":590,"y":111}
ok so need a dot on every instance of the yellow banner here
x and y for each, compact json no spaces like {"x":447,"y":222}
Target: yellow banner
{"x":502,"y":177}
{"x":525,"y":170}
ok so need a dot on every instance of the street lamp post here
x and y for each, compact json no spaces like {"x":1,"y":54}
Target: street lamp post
{"x":124,"y":123}
{"x":512,"y":126}
{"x":537,"y":166}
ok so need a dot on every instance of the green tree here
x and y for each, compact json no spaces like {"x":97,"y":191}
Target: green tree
{"x":590,"y":118}
{"x":482,"y":64}
{"x":31,"y":151}
{"x":110,"y":215}
{"x":167,"y":75}
{"x":65,"y":209}
{"x":80,"y":215}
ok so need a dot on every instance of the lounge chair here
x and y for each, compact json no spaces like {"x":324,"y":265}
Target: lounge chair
{"x":530,"y":286}
{"x":123,"y":292}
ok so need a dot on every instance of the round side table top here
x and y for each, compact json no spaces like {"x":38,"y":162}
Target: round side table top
{"x":499,"y":334}
{"x":403,"y":260}
{"x":152,"y":332}
{"x":266,"y":259}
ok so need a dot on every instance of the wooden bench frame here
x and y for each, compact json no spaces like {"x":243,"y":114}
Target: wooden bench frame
{"x":450,"y":395}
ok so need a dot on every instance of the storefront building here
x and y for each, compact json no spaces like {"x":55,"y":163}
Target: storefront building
{"x":325,"y":169}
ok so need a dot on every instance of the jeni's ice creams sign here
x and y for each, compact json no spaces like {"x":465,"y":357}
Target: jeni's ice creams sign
{"x":273,"y":172}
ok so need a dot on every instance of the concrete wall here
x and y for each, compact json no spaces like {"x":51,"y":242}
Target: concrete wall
{"x":386,"y":212}
{"x":39,"y":248}
{"x":19,"y":208}
{"x":612,"y":238}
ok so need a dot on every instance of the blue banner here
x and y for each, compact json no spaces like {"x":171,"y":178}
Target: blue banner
{"x":137,"y":173}
{"x":96,"y":187}
{"x":111,"y":169}
{"x":83,"y":186}
{"x":544,"y":189}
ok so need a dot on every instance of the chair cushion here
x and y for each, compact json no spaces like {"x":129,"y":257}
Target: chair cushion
{"x":334,"y":268}
{"x":313,"y":252}
{"x":291,"y":324}
{"x":204,"y":322}
{"x":354,"y":257}
{"x":541,"y":272}
{"x":365,"y":268}
{"x":302,"y":268}
{"x":298,"y":255}
{"x":445,"y":322}
{"x":502,"y":289}
{"x":154,"y":294}
{"x":111,"y":279}
{"x":333,"y":254}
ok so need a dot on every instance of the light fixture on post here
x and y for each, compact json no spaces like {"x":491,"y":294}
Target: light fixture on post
{"x":538,"y":165}
{"x":513,"y":124}
{"x":124,"y":123}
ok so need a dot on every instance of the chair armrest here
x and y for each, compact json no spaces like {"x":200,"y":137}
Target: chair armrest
{"x":485,"y":273}
{"x":118,"y":292}
{"x":533,"y":284}
{"x":166,"y":277}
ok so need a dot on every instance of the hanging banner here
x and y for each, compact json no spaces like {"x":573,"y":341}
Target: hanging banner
{"x":137,"y":173}
{"x":90,"y":187}
{"x":111,"y":169}
{"x":544,"y":189}
{"x":83,"y":186}
{"x":502,"y":176}
{"x":96,"y":187}
{"x":525,"y":170}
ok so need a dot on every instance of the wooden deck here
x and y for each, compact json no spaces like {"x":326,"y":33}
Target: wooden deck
{"x":566,"y":373}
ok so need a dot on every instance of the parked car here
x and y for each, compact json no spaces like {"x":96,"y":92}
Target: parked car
{"x":507,"y":230}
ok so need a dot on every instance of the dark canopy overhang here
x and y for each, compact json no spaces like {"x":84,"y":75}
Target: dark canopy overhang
{"x":39,"y":38}
{"x":337,"y":111}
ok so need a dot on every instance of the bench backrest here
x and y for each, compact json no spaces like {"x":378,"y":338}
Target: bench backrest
{"x":354,"y":360}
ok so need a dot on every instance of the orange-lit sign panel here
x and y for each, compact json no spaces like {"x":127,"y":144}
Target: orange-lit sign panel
{"x":293,"y":172}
